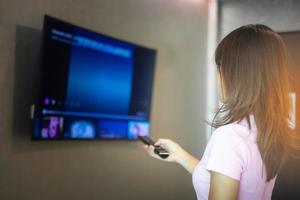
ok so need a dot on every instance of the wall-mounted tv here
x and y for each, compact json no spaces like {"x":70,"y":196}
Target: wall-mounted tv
{"x":92,"y":86}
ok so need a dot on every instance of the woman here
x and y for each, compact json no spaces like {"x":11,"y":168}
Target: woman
{"x":244,"y":155}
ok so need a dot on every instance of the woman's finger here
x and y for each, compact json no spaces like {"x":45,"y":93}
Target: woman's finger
{"x":151,"y":152}
{"x":161,"y":141}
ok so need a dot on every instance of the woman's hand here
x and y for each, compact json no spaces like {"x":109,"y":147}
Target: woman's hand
{"x":173,"y":148}
{"x":176,"y":154}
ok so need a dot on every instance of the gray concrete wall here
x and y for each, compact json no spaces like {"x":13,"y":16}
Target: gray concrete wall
{"x":282,"y":16}
{"x":279,"y":15}
{"x":103,"y":169}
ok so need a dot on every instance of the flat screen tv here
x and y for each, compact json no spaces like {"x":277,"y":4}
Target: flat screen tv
{"x":92,"y":86}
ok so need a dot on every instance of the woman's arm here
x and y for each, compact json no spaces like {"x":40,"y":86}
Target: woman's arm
{"x":222,"y":187}
{"x":187,"y":161}
{"x":176,"y":154}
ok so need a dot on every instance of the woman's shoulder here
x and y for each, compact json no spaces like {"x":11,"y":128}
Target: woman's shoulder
{"x":228,"y":152}
{"x":234,"y":134}
{"x":239,"y":131}
{"x":227,"y":132}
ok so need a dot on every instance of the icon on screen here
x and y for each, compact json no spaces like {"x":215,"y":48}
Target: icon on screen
{"x":46,"y":101}
{"x":53,"y":101}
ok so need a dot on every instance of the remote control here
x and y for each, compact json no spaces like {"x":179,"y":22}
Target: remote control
{"x":157,"y":149}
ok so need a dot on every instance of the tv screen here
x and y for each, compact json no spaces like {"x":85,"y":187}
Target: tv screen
{"x":93,"y":86}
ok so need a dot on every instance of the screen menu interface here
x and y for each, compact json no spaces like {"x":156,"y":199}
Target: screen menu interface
{"x":93,"y":86}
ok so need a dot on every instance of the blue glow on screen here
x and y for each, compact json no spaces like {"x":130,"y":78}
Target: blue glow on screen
{"x":100,"y":81}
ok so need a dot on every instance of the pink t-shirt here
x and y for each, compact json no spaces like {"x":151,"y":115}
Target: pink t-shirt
{"x":232,"y":151}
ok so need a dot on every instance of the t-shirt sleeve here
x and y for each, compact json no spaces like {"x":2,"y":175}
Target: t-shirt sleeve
{"x":227,"y":153}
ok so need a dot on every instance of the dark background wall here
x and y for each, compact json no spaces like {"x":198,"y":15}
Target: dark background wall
{"x":103,"y":169}
{"x":281,"y":16}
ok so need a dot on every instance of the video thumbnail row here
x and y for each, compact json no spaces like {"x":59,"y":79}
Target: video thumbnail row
{"x":58,"y":127}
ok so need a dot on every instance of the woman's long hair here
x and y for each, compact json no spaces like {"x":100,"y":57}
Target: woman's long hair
{"x":253,"y":65}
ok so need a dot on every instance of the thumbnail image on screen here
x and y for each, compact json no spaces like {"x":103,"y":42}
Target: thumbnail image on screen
{"x":93,"y":86}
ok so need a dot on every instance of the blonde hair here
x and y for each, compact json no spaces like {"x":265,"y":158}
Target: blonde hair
{"x":252,"y":61}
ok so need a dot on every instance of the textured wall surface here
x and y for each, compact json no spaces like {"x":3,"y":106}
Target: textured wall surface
{"x":78,"y":170}
{"x":279,"y":15}
{"x":282,"y":16}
